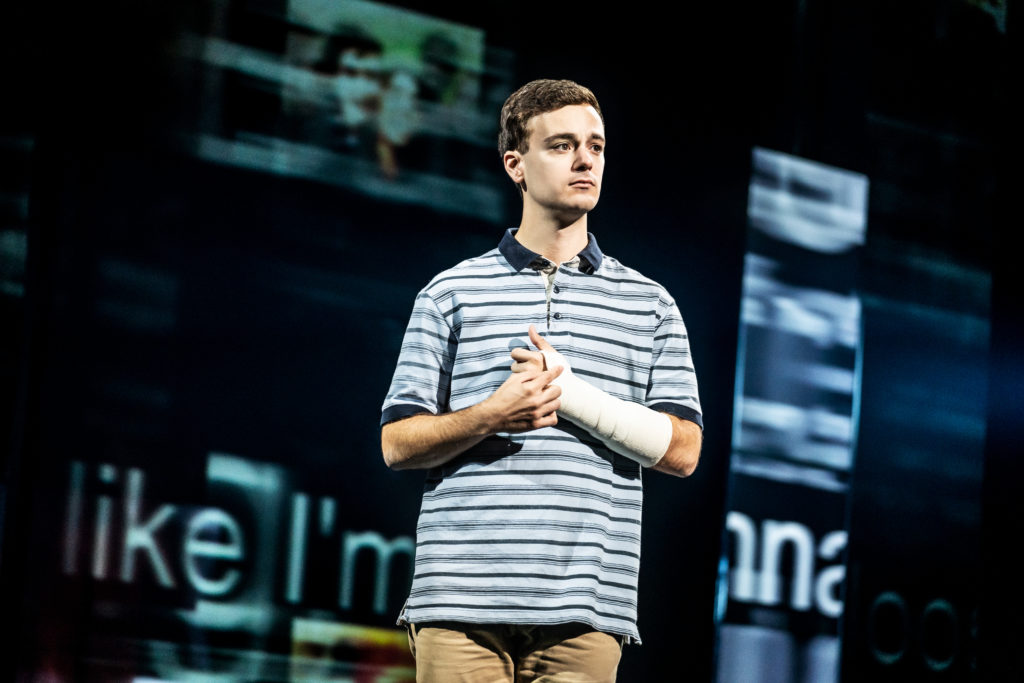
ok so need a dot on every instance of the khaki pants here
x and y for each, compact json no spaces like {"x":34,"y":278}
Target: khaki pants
{"x":452,"y":652}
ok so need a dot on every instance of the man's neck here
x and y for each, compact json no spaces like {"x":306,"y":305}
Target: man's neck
{"x":554,"y":241}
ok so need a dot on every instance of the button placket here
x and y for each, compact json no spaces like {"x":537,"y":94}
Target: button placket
{"x":552,"y":290}
{"x":549,"y":271}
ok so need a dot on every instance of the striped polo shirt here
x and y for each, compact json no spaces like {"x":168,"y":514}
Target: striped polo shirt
{"x":541,"y":527}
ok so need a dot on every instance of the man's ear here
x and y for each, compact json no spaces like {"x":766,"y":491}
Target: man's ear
{"x":513,"y":161}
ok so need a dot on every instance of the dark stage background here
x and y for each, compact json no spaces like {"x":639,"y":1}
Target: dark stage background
{"x":215,"y":218}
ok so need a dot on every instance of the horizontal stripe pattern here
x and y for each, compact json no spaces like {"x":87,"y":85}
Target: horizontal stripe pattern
{"x":541,"y":527}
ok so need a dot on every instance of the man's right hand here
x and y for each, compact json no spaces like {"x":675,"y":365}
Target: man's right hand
{"x":525,"y":401}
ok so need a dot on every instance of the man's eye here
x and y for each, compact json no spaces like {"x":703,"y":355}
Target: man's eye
{"x":597,"y":148}
{"x":562,"y":145}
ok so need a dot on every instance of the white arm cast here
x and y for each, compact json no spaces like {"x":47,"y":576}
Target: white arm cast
{"x":629,"y":429}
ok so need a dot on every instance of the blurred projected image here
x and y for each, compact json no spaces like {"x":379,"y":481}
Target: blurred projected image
{"x":780,"y":594}
{"x":327,"y":651}
{"x":800,"y":321}
{"x":384,"y":101}
{"x":261,"y":580}
{"x":380,"y":79}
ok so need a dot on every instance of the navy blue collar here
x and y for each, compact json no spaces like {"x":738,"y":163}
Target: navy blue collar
{"x":520,"y":257}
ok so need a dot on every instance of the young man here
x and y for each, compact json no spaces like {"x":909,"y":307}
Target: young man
{"x":528,"y":542}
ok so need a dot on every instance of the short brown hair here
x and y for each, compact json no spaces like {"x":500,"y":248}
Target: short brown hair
{"x":538,"y":97}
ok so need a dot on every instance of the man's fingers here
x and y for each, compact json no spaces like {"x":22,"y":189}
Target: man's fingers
{"x":551,"y":392}
{"x":526,"y":356}
{"x":539,"y":341}
{"x":546,"y":421}
{"x":531,"y":374}
{"x":550,"y":407}
{"x":549,"y":375}
{"x":549,"y":419}
{"x":523,"y":367}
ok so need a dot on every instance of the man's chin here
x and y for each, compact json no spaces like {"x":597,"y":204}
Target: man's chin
{"x":580,"y":206}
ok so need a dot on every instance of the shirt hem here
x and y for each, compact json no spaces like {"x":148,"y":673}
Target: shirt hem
{"x":628,"y":637}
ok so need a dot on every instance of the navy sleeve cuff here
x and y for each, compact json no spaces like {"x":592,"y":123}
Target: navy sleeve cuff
{"x":401,"y":411}
{"x":680,"y":411}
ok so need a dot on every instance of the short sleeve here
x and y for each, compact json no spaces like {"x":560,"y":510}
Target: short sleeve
{"x":422,"y":379}
{"x":672,"y":386}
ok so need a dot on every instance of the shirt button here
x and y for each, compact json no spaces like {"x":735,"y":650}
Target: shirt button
{"x":558,"y":316}
{"x":557,"y":290}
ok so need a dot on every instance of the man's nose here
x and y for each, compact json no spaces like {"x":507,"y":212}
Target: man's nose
{"x":584,"y":158}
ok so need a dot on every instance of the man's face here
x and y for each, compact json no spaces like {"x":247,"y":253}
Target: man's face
{"x":562,"y":168}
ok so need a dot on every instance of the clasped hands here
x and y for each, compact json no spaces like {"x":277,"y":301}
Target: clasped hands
{"x":528,"y":399}
{"x":627,"y":428}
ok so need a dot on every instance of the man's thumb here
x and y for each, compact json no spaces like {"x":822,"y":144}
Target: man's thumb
{"x":539,"y":341}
